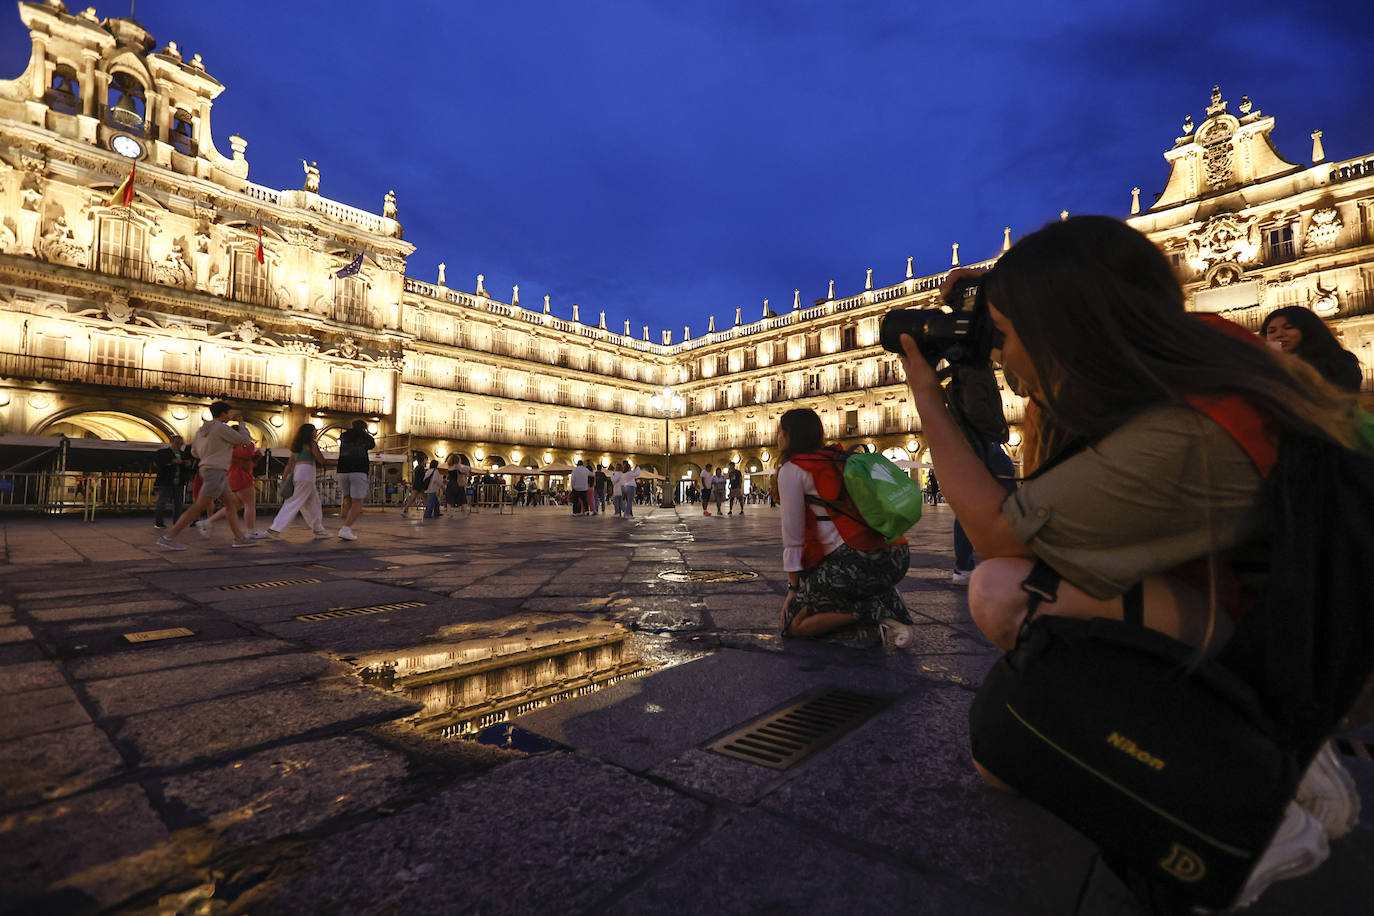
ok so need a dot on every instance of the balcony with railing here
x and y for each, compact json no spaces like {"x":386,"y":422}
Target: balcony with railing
{"x":52,"y":369}
{"x":353,"y":314}
{"x":345,"y":403}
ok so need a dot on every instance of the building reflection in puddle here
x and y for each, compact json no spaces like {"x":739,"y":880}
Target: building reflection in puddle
{"x":510,"y":669}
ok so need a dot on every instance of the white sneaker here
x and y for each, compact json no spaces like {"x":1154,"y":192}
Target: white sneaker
{"x":271,"y":533}
{"x":203,"y":526}
{"x":244,"y":541}
{"x":1328,"y":793}
{"x":896,"y":635}
{"x":1298,"y":847}
{"x":258,"y":534}
{"x":322,"y":533}
{"x":961,"y":576}
{"x":167,"y":543}
{"x":347,"y":533}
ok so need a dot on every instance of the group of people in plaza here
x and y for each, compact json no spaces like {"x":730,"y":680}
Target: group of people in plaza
{"x":221,"y":462}
{"x":717,"y":484}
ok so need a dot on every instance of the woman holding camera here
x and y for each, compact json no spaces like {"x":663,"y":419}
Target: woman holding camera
{"x":1144,"y":491}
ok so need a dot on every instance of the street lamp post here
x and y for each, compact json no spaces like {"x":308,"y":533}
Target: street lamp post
{"x":669,"y":403}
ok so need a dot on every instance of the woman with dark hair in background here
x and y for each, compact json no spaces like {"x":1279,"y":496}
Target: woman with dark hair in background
{"x":831,"y":584}
{"x":1145,"y":492}
{"x":1297,"y":330}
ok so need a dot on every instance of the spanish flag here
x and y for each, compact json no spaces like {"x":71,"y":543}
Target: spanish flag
{"x":124,"y":194}
{"x":261,"y":258}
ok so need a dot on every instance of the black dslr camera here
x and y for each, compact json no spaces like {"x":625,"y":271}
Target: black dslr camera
{"x":960,"y":333}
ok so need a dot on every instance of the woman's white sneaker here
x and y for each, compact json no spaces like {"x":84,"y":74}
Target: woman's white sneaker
{"x":1298,"y":847}
{"x":1328,"y":793}
{"x":896,"y":635}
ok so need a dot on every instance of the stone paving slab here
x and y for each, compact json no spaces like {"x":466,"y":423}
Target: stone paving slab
{"x":578,"y":829}
{"x":807,"y":874}
{"x":64,"y":844}
{"x":904,"y":782}
{"x":33,"y":712}
{"x":642,"y":722}
{"x":155,"y":656}
{"x":287,"y":789}
{"x":180,"y":735}
{"x":131,"y":694}
{"x":55,"y":763}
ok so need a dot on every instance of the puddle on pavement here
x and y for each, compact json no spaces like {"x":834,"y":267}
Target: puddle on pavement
{"x":473,"y":685}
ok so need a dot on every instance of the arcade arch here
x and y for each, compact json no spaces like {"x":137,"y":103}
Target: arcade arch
{"x":110,"y":425}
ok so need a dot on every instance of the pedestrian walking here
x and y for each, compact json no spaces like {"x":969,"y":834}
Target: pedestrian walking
{"x":416,"y":495}
{"x":629,"y":481}
{"x":735,"y":480}
{"x":456,"y":484}
{"x":213,"y":446}
{"x":718,"y":489}
{"x":581,"y":485}
{"x":301,"y":470}
{"x":706,"y":482}
{"x":172,"y":464}
{"x":243,"y":484}
{"x":434,"y":485}
{"x":353,"y":472}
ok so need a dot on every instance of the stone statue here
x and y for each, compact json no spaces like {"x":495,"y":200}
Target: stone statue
{"x":312,"y":177}
{"x":481,"y":290}
{"x":59,"y":245}
{"x":389,"y":205}
{"x":441,"y":273}
{"x":173,"y":270}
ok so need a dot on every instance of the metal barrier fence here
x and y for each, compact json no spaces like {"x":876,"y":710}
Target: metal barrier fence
{"x":86,"y":493}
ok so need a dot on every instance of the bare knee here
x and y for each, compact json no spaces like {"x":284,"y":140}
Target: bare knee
{"x":996,"y":601}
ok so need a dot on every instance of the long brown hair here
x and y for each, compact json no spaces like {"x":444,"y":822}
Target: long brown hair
{"x":805,"y":433}
{"x":1102,"y":319}
{"x":304,"y":436}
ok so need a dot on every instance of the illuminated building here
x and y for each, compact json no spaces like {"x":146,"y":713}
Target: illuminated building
{"x":125,"y":322}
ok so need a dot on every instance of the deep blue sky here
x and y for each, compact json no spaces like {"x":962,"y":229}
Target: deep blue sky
{"x":670,"y":160}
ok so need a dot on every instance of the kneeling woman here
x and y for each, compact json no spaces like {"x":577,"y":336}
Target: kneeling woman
{"x":831,"y":584}
{"x":1146,"y":492}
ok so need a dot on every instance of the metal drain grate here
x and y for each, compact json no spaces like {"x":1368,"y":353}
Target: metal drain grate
{"x":360,"y":611}
{"x":1349,"y":747}
{"x":278,"y":584}
{"x":811,"y":722}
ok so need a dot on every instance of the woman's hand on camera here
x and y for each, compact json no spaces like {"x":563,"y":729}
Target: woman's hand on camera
{"x":920,"y":375}
{"x":957,"y":274}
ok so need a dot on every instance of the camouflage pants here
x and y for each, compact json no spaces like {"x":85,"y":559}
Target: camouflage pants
{"x":858,"y":582}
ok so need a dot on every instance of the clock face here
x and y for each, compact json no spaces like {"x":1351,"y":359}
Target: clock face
{"x":127,"y":147}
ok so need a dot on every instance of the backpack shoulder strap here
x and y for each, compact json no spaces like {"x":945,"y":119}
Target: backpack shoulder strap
{"x":1244,"y":422}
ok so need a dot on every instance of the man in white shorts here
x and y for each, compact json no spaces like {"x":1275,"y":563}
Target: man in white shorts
{"x":352,"y":472}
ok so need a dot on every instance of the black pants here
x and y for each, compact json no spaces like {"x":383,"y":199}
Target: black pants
{"x":166,"y":492}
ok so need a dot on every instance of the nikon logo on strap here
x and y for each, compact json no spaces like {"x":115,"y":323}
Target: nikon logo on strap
{"x":1127,"y":746}
{"x":1184,"y":864}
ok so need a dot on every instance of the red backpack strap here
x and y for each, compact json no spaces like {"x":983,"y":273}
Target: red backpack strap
{"x":1252,"y":429}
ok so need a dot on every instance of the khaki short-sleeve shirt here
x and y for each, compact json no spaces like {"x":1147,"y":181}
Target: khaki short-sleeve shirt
{"x":1168,"y":486}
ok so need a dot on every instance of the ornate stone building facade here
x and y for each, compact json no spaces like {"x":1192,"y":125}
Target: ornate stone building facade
{"x":123,"y":320}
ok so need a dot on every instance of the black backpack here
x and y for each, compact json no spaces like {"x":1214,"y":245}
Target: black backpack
{"x":1307,"y":648}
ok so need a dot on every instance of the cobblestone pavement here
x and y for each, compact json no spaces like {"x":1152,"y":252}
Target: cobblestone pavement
{"x":248,"y":768}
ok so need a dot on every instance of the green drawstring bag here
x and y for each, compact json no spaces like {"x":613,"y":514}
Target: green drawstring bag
{"x":888,"y":500}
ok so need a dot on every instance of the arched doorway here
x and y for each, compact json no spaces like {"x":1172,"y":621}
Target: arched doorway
{"x":110,"y":425}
